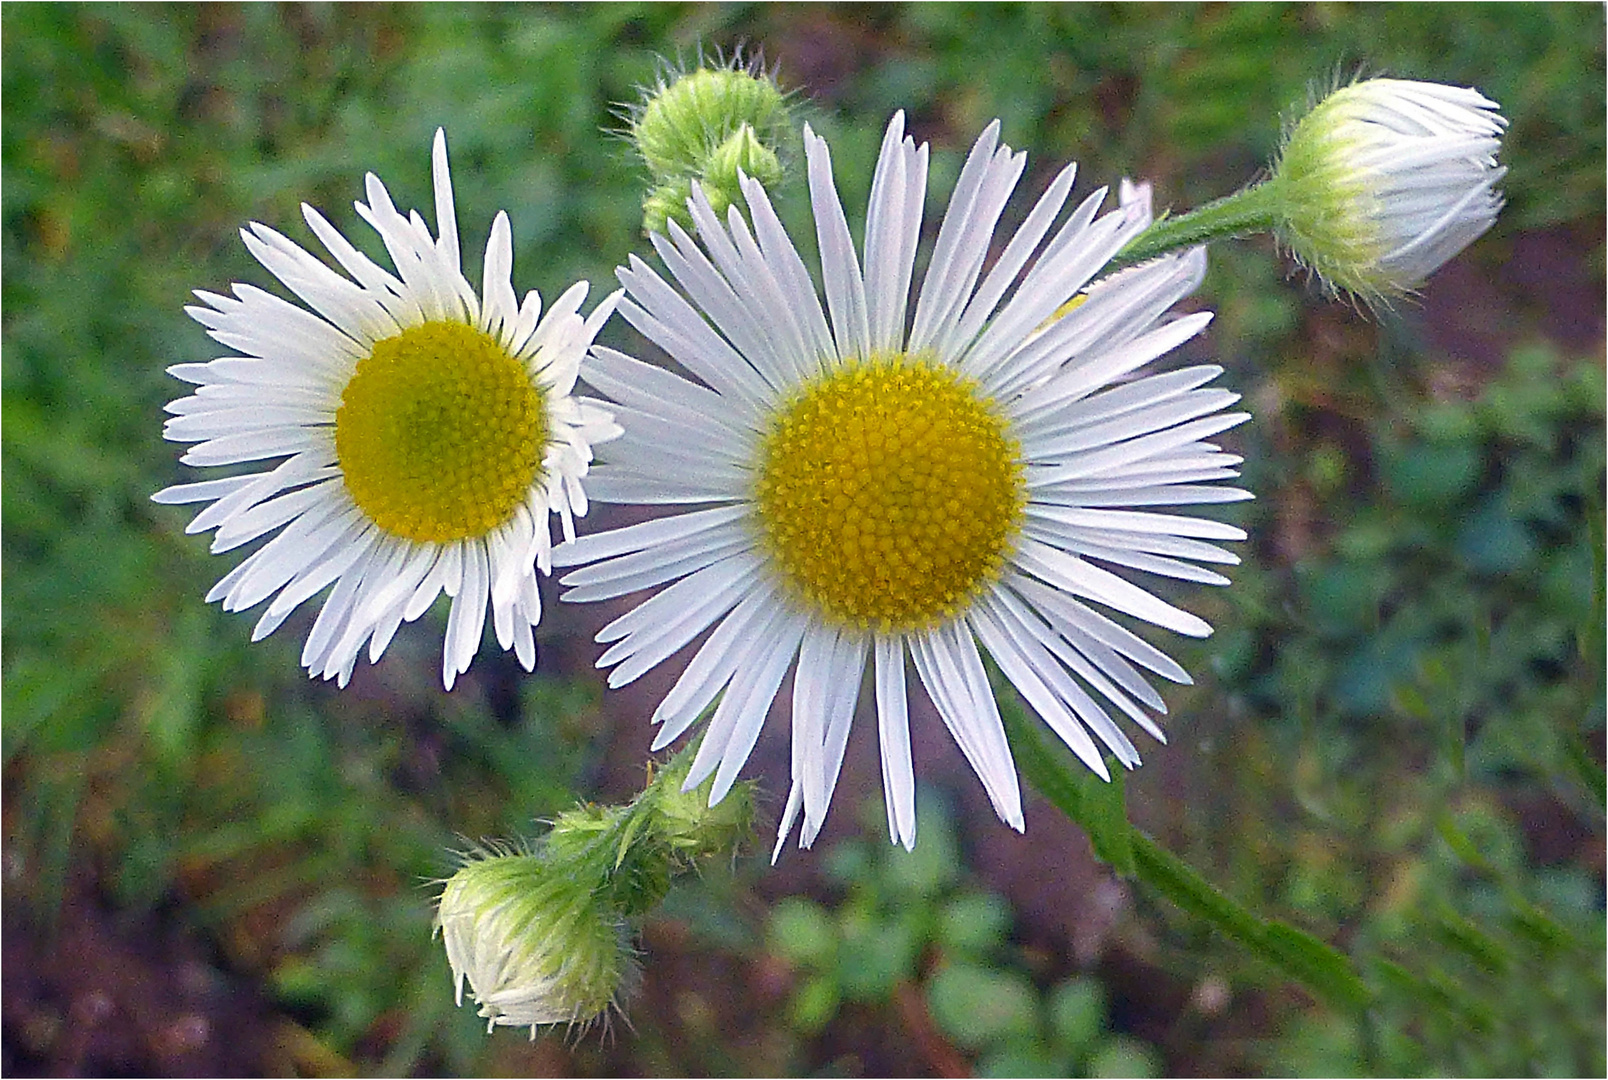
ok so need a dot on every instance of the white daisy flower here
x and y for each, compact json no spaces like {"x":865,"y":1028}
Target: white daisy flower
{"x":427,"y":432}
{"x":1386,"y":179}
{"x":886,"y":493}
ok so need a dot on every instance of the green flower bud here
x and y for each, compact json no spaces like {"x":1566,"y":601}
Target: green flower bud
{"x":669,"y":201}
{"x":533,"y":942}
{"x":741,"y":152}
{"x":706,"y":126}
{"x":1385,"y":180}
{"x":688,"y":826}
{"x":682,"y":122}
{"x":542,"y":933}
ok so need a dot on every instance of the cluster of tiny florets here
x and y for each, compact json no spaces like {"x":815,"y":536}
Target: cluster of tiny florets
{"x":440,"y":433}
{"x":889,"y":492}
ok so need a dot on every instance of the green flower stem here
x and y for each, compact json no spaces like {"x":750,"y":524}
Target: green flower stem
{"x":1259,"y":208}
{"x":1096,"y":806}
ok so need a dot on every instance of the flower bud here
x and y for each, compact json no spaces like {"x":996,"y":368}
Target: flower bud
{"x":688,"y":826}
{"x":682,"y":122}
{"x":534,"y":943}
{"x":669,"y":200}
{"x":1385,"y":180}
{"x":542,"y":933}
{"x":741,"y":152}
{"x":705,"y":126}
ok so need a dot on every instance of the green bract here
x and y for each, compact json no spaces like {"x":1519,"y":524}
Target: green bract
{"x":683,"y":121}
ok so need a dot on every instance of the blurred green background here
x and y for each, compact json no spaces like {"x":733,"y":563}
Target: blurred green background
{"x":213,"y":866}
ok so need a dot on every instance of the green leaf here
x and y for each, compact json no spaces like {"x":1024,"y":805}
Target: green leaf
{"x":1590,"y":633}
{"x":974,"y":922}
{"x":1539,"y":927}
{"x":1107,"y":820}
{"x":1120,"y":1056}
{"x":847,"y":862}
{"x":1438,"y":991}
{"x":1458,"y":933}
{"x":1077,"y":1014}
{"x":1179,"y":882}
{"x":1319,"y":967}
{"x":1099,"y":809}
{"x":978,"y":1006}
{"x":51,"y":800}
{"x":1462,"y":846}
{"x":934,"y":864}
{"x":1021,"y":1057}
{"x":1585,"y":768}
{"x":803,"y":933}
{"x":876,"y":952}
{"x":815,"y":1004}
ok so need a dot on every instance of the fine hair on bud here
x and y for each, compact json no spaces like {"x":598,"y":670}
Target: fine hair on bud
{"x":536,"y":945}
{"x":1384,"y":180}
{"x":707,"y":125}
{"x":542,"y":932}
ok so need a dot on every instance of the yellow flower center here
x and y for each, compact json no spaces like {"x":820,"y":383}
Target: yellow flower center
{"x":889,"y":492}
{"x":440,"y":433}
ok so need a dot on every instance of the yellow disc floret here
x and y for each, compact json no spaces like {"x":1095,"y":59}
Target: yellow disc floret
{"x":440,"y":433}
{"x":889,"y":492}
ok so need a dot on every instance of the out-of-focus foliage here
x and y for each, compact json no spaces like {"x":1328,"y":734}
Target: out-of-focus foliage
{"x":1434,"y":678}
{"x":908,"y":927}
{"x":1396,"y":737}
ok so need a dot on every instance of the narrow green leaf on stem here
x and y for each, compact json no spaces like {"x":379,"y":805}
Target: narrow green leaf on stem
{"x":1538,"y":927}
{"x":1585,"y":768}
{"x":1319,"y":966}
{"x":1459,"y":934}
{"x":1180,"y":883}
{"x":1590,"y":634}
{"x":1098,"y":808}
{"x":1463,"y":847}
{"x":1525,"y":920}
{"x":1437,"y":990}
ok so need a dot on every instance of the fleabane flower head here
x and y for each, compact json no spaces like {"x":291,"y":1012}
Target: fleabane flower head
{"x":427,"y":433}
{"x":1386,"y":179}
{"x":535,"y":945}
{"x":858,"y":487}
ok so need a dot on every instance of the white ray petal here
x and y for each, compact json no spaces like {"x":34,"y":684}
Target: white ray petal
{"x":893,"y":736}
{"x":951,"y":670}
{"x":730,"y":646}
{"x":1082,"y":578}
{"x":467,"y":619}
{"x":840,"y":268}
{"x":783,"y":647}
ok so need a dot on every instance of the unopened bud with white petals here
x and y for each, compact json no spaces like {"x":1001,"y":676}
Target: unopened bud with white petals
{"x":1386,"y":179}
{"x":541,"y":932}
{"x":534,"y":943}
